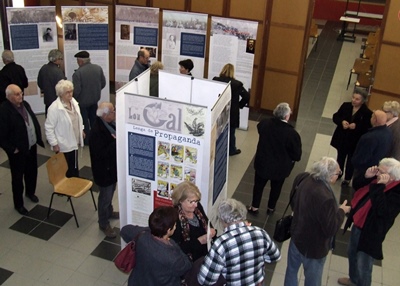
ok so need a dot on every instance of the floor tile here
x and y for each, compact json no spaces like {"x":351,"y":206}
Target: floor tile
{"x":44,"y":231}
{"x":25,"y":225}
{"x":106,"y":250}
{"x":4,"y":275}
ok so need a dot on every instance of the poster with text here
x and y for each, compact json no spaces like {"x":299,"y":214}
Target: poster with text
{"x":165,"y":142}
{"x":232,"y":41}
{"x":33,"y":33}
{"x":184,"y":37}
{"x":135,"y":28}
{"x":86,"y":29}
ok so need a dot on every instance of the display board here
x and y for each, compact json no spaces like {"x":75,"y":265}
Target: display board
{"x":135,"y":28}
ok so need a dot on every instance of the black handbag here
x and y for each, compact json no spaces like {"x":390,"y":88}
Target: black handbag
{"x":282,"y":226}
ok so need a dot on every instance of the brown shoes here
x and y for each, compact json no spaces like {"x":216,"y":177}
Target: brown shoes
{"x":345,"y":281}
{"x":108,"y":231}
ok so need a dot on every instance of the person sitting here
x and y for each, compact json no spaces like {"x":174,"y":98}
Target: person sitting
{"x":240,"y":253}
{"x":159,"y":260}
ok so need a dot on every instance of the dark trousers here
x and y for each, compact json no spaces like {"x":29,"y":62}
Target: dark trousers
{"x":23,"y":169}
{"x":72,"y":162}
{"x":359,"y":179}
{"x":232,"y":140}
{"x":348,"y":170}
{"x":88,"y":116}
{"x":259,"y":184}
{"x":105,"y":208}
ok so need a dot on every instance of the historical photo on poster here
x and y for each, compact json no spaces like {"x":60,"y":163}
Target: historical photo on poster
{"x":141,"y":187}
{"x":190,"y":155}
{"x":163,"y":151}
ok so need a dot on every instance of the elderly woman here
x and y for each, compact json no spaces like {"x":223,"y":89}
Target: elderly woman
{"x":352,"y":120}
{"x":159,"y":260}
{"x":316,"y":219}
{"x":64,"y":126}
{"x":154,"y":68}
{"x":240,"y":97}
{"x":374,"y":210}
{"x":191,"y":226}
{"x":392,"y":108}
{"x":241,"y":252}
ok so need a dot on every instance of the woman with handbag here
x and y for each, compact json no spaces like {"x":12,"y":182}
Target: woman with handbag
{"x":159,"y":260}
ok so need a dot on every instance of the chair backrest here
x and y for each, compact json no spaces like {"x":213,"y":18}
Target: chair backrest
{"x":56,"y":168}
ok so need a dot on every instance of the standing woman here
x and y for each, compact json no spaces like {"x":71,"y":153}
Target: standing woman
{"x":64,"y":126}
{"x":353,"y":119}
{"x":240,"y":97}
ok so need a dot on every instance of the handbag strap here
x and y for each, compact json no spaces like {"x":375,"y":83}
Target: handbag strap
{"x":305,"y":175}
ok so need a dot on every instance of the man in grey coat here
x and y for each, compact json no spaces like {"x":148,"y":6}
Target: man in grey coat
{"x":88,"y":82}
{"x":141,"y":63}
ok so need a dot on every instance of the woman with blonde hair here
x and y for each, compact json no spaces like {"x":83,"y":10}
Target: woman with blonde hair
{"x":240,"y":97}
{"x":154,"y":68}
{"x":392,"y":109}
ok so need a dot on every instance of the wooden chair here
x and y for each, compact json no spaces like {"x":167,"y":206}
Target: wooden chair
{"x":69,"y":187}
{"x":314,"y":33}
{"x":360,"y":66}
{"x":369,"y":52}
{"x":364,"y":80}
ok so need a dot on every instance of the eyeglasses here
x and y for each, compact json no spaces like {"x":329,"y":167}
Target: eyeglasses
{"x":193,"y":201}
{"x":387,"y":111}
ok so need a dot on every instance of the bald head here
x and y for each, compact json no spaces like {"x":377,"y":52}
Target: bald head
{"x":378,"y":118}
{"x":14,"y":94}
{"x":7,"y":56}
{"x":106,"y":111}
{"x":143,"y":56}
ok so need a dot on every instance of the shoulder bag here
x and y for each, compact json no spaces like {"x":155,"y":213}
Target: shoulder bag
{"x":126,"y":258}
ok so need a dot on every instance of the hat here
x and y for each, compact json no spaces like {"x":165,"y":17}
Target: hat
{"x":187,"y":64}
{"x":82,"y":55}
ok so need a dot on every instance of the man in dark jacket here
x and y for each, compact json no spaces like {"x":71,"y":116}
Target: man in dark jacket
{"x":19,"y":134}
{"x":49,"y":75}
{"x":103,"y":157}
{"x":11,"y":74}
{"x":279,"y":146}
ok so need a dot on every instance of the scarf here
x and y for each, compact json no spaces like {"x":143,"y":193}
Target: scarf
{"x":361,"y":213}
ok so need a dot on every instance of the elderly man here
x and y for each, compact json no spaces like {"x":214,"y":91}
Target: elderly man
{"x":88,"y":82}
{"x":240,"y":253}
{"x":11,"y":74}
{"x":316,"y":219}
{"x":141,"y":63}
{"x":374,"y":210}
{"x":279,"y":147}
{"x":49,"y":75}
{"x":103,"y":156}
{"x":372,"y":147}
{"x":19,"y":134}
{"x":392,"y":109}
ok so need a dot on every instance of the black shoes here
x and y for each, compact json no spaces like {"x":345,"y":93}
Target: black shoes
{"x":33,"y":198}
{"x":236,"y":152}
{"x":345,"y":183}
{"x":270,"y":211}
{"x":251,"y":210}
{"x":22,"y":211}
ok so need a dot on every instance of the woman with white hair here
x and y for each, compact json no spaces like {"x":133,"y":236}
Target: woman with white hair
{"x":316,"y":219}
{"x":374,"y":210}
{"x":64,"y":126}
{"x":392,"y":109}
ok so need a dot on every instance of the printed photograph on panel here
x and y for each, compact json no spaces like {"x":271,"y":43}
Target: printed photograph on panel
{"x":190,"y":175}
{"x":162,"y":169}
{"x":177,"y":153}
{"x":163,"y":151}
{"x":176,"y":172}
{"x":194,"y":118}
{"x":162,"y":189}
{"x":191,"y":155}
{"x":141,"y":187}
{"x":70,"y":32}
{"x":125,"y":32}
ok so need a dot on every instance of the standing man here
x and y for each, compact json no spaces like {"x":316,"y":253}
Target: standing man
{"x":141,"y":63}
{"x":88,"y":82}
{"x":49,"y":75}
{"x":316,"y":219}
{"x":11,"y":74}
{"x":371,"y":148}
{"x":103,"y":157}
{"x":19,"y":134}
{"x":279,"y":146}
{"x":240,"y":253}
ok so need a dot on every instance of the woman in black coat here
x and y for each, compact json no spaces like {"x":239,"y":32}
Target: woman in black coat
{"x":353,"y":119}
{"x":240,"y":97}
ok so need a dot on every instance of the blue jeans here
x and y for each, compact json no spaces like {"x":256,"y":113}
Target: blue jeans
{"x":313,"y":268}
{"x":360,"y":263}
{"x":105,"y":208}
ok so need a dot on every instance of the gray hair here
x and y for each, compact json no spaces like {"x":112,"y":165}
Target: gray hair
{"x":362,"y":92}
{"x":104,"y":108}
{"x":7,"y":56}
{"x":85,"y":60}
{"x":231,"y":211}
{"x":393,"y":167}
{"x":393,"y":107}
{"x":324,"y":169}
{"x":55,"y":55}
{"x":62,"y":86}
{"x":282,"y":110}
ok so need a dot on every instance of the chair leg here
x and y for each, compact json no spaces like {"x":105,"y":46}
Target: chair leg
{"x":348,"y":83}
{"x":94,"y":202}
{"x":316,"y":45}
{"x":73,"y":211}
{"x":51,"y":202}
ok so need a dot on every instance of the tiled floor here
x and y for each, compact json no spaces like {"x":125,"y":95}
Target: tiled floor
{"x":35,"y":250}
